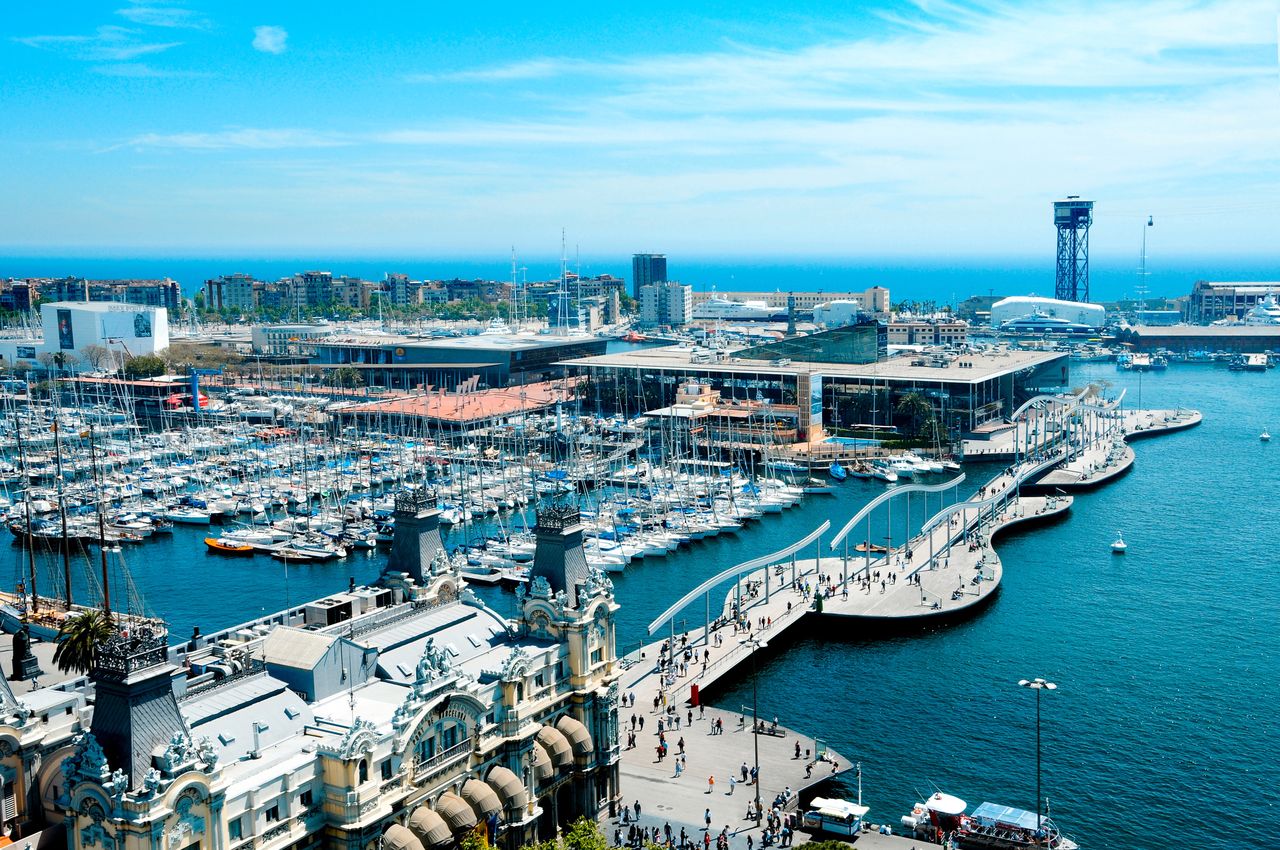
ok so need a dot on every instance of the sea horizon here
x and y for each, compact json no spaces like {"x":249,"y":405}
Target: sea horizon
{"x":943,"y":281}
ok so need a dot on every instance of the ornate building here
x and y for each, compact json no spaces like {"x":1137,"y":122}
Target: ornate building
{"x":411,"y":716}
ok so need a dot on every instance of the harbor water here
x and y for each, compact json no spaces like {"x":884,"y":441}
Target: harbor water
{"x":1162,"y":731}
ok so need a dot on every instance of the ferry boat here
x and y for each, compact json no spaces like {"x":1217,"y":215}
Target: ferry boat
{"x":990,"y":825}
{"x":717,"y":307}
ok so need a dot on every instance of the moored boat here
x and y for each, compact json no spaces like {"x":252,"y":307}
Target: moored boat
{"x":227,"y":547}
{"x":942,"y":817}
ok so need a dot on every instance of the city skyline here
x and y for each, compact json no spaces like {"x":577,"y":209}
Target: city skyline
{"x":928,"y":129}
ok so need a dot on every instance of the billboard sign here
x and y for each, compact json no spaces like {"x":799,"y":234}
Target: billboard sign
{"x":66,"y":337}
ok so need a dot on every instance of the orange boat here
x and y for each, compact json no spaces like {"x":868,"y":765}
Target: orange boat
{"x":226,"y":547}
{"x":632,"y":336}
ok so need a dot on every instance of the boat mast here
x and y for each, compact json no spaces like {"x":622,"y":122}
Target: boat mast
{"x":31,"y":538}
{"x":62,"y":504}
{"x":102,"y":531}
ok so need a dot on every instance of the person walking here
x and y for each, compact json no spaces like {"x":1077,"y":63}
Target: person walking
{"x":706,"y":817}
{"x":711,"y":784}
{"x":732,"y":782}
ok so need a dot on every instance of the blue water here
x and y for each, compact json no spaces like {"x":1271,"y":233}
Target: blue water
{"x":942,"y":281}
{"x":1165,"y":658}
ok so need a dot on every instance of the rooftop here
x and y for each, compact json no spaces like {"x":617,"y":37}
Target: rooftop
{"x":498,"y":342}
{"x":1208,"y":330}
{"x":985,"y":365}
{"x":469,"y":407}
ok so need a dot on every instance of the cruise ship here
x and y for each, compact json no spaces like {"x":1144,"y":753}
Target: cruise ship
{"x":1040,"y":324}
{"x":718,"y":307}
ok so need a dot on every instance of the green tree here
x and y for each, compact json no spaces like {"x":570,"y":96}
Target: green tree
{"x":346,"y":376}
{"x":144,"y":366}
{"x":916,"y":409}
{"x":582,"y":834}
{"x":79,"y":639}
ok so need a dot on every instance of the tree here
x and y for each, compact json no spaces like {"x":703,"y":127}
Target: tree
{"x":916,"y":408}
{"x":582,"y":834}
{"x":95,"y":355}
{"x":144,"y":366}
{"x":80,"y":638}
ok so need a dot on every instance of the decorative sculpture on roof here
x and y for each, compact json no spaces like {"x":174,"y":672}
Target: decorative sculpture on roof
{"x":87,"y":762}
{"x":151,"y":782}
{"x":559,"y":601}
{"x":206,"y":754}
{"x":433,"y":664}
{"x":516,"y":666}
{"x":541,"y":588}
{"x":178,"y":754}
{"x":598,"y":583}
{"x":440,"y":563}
{"x":611,"y":697}
{"x":360,"y":738}
{"x":118,"y":784}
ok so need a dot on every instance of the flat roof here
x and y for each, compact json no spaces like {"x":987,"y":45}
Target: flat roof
{"x":469,"y":407}
{"x":1208,"y":330}
{"x":985,"y":366}
{"x":503,"y":342}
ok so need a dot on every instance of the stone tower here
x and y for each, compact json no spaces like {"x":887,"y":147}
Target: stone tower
{"x":417,"y":542}
{"x":558,"y":558}
{"x":135,"y":710}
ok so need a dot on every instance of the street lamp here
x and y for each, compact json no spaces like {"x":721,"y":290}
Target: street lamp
{"x":1038,"y":685}
{"x":756,"y":643}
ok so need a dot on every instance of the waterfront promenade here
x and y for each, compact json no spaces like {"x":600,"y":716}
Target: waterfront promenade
{"x":949,"y":567}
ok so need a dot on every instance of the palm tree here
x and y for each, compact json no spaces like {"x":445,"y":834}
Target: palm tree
{"x":915,"y":407}
{"x":79,"y":639}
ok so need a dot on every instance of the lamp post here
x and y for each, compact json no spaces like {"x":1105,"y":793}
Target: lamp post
{"x":1037,"y":685}
{"x":755,"y":643}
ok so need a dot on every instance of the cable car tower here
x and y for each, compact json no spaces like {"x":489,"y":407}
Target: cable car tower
{"x":1072,"y":217}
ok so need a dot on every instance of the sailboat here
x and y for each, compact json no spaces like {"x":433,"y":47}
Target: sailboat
{"x":837,"y":471}
{"x":1265,"y":436}
{"x":1119,"y":546}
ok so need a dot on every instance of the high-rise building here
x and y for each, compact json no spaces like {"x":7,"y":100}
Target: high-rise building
{"x":647,"y":269}
{"x":666,"y":303}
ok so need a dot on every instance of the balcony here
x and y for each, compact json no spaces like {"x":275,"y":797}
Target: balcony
{"x":441,"y":761}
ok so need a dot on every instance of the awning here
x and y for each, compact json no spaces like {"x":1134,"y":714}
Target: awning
{"x":577,"y":734}
{"x":481,"y":798}
{"x":398,"y":838}
{"x":557,"y":746}
{"x":455,"y":811}
{"x":509,"y":787}
{"x":430,"y":828}
{"x":542,"y":767}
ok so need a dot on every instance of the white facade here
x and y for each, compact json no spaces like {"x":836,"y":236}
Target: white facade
{"x":835,"y":314}
{"x":666,"y":303}
{"x":69,"y":327}
{"x":1018,"y":306}
{"x":285,"y":339}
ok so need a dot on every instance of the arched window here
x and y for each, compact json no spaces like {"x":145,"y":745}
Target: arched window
{"x":364,"y":770}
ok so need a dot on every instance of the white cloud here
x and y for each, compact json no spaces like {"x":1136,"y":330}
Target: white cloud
{"x":244,"y":138}
{"x":107,"y":44}
{"x":159,"y":15}
{"x":269,"y":39}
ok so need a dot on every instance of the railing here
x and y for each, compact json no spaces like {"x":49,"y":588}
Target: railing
{"x":424,"y":767}
{"x":377,"y":620}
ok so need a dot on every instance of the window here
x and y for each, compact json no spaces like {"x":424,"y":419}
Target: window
{"x":364,"y":770}
{"x":235,"y":829}
{"x":273,"y":813}
{"x":386,"y":769}
{"x":449,"y":737}
{"x":306,"y":798}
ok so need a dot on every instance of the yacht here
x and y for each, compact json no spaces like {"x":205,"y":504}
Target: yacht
{"x":1265,"y":312}
{"x":990,"y":825}
{"x":1040,"y":324}
{"x":717,"y":307}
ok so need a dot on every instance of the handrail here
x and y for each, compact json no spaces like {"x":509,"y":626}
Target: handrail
{"x":745,"y":566}
{"x":886,"y":496}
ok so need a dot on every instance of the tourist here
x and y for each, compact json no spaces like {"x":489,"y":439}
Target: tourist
{"x":732,"y":783}
{"x":711,"y":784}
{"x":706,"y":816}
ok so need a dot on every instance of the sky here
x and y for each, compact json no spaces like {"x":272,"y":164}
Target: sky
{"x":922,"y":129}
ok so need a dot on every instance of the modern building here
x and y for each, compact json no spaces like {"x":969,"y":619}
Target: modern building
{"x":149,"y":293}
{"x":493,"y":360}
{"x":666,"y":303}
{"x":645,"y":270}
{"x":1212,"y":301}
{"x":294,"y":340}
{"x":233,"y":292}
{"x":72,"y":328}
{"x":403,"y":715}
{"x":928,"y":332}
{"x":1020,"y":306}
{"x":836,"y":378}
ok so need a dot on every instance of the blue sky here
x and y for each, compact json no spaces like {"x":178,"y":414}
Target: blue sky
{"x":931,"y":129}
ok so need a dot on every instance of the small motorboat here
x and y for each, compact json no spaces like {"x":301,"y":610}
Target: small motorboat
{"x":874,"y":547}
{"x":1119,"y":546}
{"x":227,"y":547}
{"x":1265,"y":436}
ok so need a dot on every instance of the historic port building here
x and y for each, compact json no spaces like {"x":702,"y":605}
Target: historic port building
{"x":401,"y":715}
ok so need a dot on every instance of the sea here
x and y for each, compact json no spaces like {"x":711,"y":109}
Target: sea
{"x":1162,"y":731}
{"x":939,"y":280}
